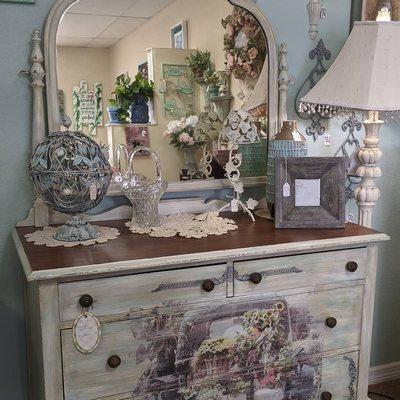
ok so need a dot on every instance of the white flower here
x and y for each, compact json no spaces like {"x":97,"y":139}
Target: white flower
{"x":192,"y":120}
{"x":174,"y":126}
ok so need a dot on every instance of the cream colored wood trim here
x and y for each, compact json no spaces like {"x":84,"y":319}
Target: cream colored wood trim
{"x":367,"y":320}
{"x":51,"y":343}
{"x":186,"y":260}
{"x":21,"y":253}
{"x":384,"y":373}
{"x":200,"y":185}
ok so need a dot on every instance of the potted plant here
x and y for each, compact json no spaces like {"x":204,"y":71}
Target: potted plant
{"x":199,"y":62}
{"x":113,"y":113}
{"x":131,"y":99}
{"x":213,"y":81}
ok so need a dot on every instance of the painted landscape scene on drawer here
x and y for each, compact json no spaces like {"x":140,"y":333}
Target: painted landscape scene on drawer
{"x":245,"y":351}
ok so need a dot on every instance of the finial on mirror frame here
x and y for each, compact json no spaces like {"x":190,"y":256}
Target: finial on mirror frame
{"x":284,"y":81}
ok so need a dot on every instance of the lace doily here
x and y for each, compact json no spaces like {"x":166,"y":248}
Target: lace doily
{"x":188,"y":226}
{"x":45,"y":237}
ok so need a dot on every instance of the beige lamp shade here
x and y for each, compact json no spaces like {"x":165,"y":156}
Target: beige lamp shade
{"x":366,"y":73}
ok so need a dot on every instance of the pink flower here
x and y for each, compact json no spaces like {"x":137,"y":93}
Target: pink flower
{"x":253,"y":53}
{"x":184,"y":137}
{"x":240,"y":61}
{"x":247,"y":67}
{"x":230,"y":59}
{"x":230,"y":30}
{"x":190,"y":142}
{"x":167,"y":134}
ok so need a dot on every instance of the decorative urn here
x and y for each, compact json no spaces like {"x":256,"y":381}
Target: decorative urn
{"x":72,"y":176}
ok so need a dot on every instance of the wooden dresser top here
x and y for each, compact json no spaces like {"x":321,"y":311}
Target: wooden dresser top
{"x":137,"y":253}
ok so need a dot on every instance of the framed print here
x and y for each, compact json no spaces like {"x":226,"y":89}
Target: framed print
{"x":179,"y":36}
{"x":143,"y":69}
{"x":137,"y":136}
{"x":310,"y":192}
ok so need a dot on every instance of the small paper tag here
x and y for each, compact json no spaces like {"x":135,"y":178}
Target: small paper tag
{"x":93,"y":191}
{"x":296,"y":136}
{"x":234,"y":206}
{"x":286,"y":190}
{"x":86,"y":333}
{"x":327,"y":139}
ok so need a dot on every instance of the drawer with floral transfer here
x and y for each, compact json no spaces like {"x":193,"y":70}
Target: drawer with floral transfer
{"x":276,"y":344}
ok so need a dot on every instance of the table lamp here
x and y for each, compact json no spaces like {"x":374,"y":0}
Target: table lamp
{"x":365,"y":77}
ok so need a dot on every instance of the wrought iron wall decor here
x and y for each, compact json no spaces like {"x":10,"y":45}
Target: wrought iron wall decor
{"x":348,"y":150}
{"x":316,"y":129}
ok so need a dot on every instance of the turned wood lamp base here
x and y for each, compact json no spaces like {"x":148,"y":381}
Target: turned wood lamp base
{"x":368,"y":194}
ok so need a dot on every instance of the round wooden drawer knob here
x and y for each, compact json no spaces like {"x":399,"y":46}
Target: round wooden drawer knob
{"x":326,"y":396}
{"x":255,"y":278}
{"x":114,"y":361}
{"x":86,"y":301}
{"x":331,"y":322}
{"x":208,"y":285}
{"x":352,"y":266}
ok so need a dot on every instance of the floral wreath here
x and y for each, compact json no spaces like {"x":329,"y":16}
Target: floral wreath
{"x":244,"y":45}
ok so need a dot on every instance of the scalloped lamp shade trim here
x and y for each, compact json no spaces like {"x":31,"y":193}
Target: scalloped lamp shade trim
{"x":366,"y":73}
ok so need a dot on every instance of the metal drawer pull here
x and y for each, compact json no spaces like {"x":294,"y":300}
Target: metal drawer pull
{"x":331,"y":322}
{"x":114,"y":361}
{"x":192,"y":284}
{"x":352,"y":266}
{"x":266,"y":274}
{"x":86,"y":301}
{"x":326,"y":396}
{"x":255,"y":278}
{"x":208,"y":285}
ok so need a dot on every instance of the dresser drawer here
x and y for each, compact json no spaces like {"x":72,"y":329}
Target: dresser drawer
{"x":162,"y":347}
{"x":339,"y":376}
{"x":334,"y":315}
{"x":281,"y":273}
{"x":122,"y":295}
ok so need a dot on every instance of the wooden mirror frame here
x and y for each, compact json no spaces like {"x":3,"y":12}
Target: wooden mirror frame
{"x":50,"y":54}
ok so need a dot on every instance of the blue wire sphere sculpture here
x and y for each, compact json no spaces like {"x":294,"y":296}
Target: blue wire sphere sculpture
{"x":72,"y":176}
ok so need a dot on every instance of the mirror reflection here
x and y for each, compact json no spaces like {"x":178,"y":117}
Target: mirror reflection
{"x":164,"y":74}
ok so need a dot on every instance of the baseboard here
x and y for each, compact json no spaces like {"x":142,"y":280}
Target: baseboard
{"x":383,"y":373}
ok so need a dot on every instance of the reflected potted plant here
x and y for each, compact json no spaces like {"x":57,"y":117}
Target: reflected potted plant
{"x":213,"y":81}
{"x":199,"y":62}
{"x":131,"y":99}
{"x":184,"y":137}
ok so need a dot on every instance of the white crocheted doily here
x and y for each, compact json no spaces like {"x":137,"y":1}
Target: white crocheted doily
{"x":188,"y":226}
{"x":45,"y":237}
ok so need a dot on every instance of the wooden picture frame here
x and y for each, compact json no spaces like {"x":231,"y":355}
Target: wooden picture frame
{"x":179,"y":37}
{"x":316,"y":197}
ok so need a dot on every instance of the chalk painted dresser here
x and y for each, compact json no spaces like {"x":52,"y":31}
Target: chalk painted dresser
{"x":257,"y":314}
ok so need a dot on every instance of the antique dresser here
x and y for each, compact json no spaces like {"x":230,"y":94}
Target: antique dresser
{"x":259,"y":313}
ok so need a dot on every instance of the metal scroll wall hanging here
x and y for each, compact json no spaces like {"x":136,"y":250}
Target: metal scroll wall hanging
{"x":316,"y":129}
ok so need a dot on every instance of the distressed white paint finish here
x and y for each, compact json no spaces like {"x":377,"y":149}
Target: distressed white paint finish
{"x":126,"y":293}
{"x":311,"y":269}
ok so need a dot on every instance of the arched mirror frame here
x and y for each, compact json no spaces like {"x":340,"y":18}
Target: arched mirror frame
{"x":50,"y":52}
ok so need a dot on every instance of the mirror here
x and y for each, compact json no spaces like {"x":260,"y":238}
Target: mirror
{"x":188,"y":59}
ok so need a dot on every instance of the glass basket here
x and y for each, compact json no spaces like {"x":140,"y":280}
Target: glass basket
{"x":143,"y":193}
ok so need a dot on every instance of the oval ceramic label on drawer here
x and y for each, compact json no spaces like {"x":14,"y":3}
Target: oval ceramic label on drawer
{"x":86,"y":333}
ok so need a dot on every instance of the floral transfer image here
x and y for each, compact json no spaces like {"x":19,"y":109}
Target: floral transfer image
{"x":260,"y":350}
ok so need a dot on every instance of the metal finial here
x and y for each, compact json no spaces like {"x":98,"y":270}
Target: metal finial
{"x":66,"y":121}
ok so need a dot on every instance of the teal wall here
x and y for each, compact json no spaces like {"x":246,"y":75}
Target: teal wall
{"x":290,"y":22}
